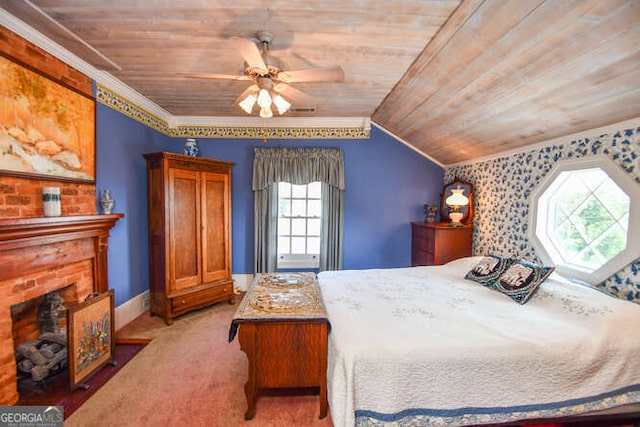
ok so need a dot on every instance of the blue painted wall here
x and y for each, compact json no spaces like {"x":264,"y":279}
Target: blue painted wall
{"x":387,"y":184}
{"x":120,"y":167}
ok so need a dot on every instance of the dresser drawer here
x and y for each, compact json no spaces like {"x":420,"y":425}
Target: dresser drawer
{"x":423,"y":244}
{"x":422,"y":258}
{"x":202,"y":298}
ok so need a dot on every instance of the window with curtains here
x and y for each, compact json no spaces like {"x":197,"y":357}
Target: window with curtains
{"x":320,"y":173}
{"x":299,"y":220}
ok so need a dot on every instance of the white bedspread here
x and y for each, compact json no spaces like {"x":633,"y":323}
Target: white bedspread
{"x":423,"y":346}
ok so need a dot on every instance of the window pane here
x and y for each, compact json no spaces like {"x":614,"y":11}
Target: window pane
{"x":612,"y":243}
{"x":298,"y":227}
{"x":569,"y":240}
{"x":298,"y":208}
{"x":284,"y":207}
{"x":592,"y":219}
{"x":284,"y":226}
{"x":611,"y":196}
{"x":592,"y":178}
{"x":283,"y":245}
{"x":314,"y":208}
{"x":298,"y":245}
{"x":299,"y":191}
{"x":284,"y":189}
{"x":315,"y":190}
{"x":313,"y":227}
{"x":588,"y":258}
{"x":571,"y":194}
{"x":559,"y":215}
{"x":313,"y":245}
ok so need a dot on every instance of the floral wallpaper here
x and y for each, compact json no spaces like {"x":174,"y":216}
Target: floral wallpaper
{"x":503,"y":186}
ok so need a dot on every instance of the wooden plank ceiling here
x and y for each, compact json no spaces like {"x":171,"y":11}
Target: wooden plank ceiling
{"x":458,"y":80}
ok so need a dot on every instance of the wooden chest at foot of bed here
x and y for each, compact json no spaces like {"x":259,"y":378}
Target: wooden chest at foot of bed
{"x":282,"y":328}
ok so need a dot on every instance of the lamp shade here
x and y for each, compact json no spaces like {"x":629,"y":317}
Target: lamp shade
{"x":457,"y":198}
{"x":281,"y":104}
{"x":264,"y":99}
{"x":248,"y":103}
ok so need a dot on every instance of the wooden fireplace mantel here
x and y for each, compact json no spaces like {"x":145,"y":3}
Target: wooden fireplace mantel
{"x":52,"y":237}
{"x":18,"y":229}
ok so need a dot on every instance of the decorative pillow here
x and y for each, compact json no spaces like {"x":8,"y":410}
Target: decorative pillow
{"x":521,"y":280}
{"x":488,"y":269}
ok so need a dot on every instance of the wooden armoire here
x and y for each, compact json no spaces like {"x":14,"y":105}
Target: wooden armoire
{"x":189,"y":202}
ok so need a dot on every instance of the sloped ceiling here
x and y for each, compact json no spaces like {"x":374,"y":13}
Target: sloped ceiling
{"x":457,"y":80}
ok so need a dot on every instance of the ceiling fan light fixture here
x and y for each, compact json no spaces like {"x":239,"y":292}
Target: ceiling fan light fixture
{"x":281,"y":104}
{"x":264,"y":99}
{"x":266,"y":113}
{"x":248,"y":103}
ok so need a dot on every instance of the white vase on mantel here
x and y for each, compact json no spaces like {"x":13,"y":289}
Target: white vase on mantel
{"x":51,"y":201}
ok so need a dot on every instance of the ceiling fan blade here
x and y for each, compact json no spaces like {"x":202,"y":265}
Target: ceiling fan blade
{"x":250,"y":53}
{"x":295,"y":96}
{"x":214,"y":76}
{"x":329,"y":74}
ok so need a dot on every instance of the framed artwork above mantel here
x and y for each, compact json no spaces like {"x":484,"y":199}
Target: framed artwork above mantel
{"x":47,"y":128}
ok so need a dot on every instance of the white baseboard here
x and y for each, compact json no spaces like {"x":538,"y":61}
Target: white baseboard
{"x":128,"y":311}
{"x":242,"y":282}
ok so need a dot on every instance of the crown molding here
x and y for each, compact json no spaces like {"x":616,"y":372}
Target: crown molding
{"x":253,"y":121}
{"x":115,"y":94}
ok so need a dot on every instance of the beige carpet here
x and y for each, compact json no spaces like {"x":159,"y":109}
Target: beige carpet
{"x":189,"y":375}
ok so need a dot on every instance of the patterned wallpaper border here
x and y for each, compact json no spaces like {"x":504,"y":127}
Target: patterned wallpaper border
{"x":111,"y":99}
{"x":503,"y":186}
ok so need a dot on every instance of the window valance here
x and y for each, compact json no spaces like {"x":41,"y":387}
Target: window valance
{"x":299,"y":166}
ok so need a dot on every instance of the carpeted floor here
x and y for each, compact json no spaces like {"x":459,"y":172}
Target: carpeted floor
{"x":190,"y":375}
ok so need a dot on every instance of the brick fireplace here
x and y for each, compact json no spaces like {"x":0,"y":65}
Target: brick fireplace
{"x":40,"y":255}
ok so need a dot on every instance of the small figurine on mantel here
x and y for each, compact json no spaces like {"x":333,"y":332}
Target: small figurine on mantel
{"x":107,"y":202}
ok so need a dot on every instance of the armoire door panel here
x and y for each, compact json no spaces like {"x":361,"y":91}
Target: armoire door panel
{"x":215,"y":248}
{"x":184,"y":232}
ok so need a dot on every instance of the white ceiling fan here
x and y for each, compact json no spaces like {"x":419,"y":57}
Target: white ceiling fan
{"x":271,"y":86}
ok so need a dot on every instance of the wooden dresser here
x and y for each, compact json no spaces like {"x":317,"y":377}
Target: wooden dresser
{"x":189,"y":202}
{"x":438,"y":243}
{"x":282,"y":327}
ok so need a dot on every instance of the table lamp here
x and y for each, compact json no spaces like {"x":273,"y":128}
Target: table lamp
{"x":456,"y":201}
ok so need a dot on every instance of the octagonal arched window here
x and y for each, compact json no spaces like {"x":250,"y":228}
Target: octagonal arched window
{"x":584,"y":214}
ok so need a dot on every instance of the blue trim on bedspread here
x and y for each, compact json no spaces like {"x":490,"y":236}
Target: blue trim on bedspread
{"x":480,"y":415}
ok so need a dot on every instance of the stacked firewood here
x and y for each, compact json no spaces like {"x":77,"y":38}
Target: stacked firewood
{"x":42,"y":357}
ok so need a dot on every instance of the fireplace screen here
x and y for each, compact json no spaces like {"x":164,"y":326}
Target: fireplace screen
{"x":91,"y":336}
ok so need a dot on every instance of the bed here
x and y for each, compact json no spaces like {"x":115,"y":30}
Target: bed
{"x":424,"y":346}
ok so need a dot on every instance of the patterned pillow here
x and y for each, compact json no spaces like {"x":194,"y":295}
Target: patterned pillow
{"x":488,"y":269}
{"x":521,"y":280}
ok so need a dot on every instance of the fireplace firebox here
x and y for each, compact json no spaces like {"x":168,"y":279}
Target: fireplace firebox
{"x":40,"y":336}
